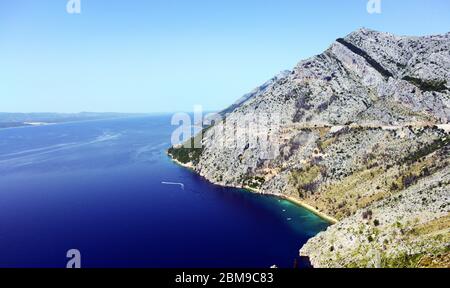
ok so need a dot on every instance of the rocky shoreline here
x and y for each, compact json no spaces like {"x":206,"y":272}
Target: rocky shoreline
{"x":293,"y":200}
{"x":361,"y":135}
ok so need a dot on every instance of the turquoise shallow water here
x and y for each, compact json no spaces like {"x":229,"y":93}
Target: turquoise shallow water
{"x":97,"y":187}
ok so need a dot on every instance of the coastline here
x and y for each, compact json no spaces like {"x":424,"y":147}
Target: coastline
{"x":310,"y":208}
{"x":299,"y":203}
{"x":188,"y":166}
{"x":291,"y":199}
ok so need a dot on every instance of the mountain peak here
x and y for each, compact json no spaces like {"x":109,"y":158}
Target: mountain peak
{"x":366,"y":33}
{"x":359,"y":78}
{"x":357,"y":132}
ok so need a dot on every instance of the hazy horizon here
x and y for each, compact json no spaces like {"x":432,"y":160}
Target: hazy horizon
{"x":162,"y":57}
{"x":111,"y":112}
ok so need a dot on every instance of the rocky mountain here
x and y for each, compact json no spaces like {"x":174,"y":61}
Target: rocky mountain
{"x":256,"y":92}
{"x":359,"y":133}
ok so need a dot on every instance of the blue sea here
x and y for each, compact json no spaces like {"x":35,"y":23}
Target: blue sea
{"x":97,"y":186}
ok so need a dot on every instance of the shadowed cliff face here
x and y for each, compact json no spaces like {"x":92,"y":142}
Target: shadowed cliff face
{"x":360,"y":134}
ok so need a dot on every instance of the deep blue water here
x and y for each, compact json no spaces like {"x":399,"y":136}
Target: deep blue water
{"x":96,"y":186}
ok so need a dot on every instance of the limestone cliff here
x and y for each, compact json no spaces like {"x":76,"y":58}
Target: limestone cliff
{"x":359,"y":132}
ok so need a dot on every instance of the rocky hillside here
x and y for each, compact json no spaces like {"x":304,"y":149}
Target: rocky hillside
{"x":360,"y":133}
{"x":256,"y":92}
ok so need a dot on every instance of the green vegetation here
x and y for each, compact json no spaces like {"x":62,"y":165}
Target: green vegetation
{"x":404,"y":260}
{"x":433,"y":259}
{"x":411,"y":173}
{"x":432,"y":227}
{"x":427,"y":85}
{"x":254,"y":182}
{"x":324,"y":144}
{"x":427,"y":150}
{"x":188,"y":153}
{"x":343,"y":198}
{"x":305,"y":179}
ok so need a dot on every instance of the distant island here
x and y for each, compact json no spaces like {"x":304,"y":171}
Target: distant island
{"x":10,"y":120}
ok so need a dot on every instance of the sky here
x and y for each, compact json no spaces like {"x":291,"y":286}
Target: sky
{"x":168,"y":55}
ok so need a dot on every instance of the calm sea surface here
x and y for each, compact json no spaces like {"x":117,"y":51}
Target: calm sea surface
{"x":96,"y":186}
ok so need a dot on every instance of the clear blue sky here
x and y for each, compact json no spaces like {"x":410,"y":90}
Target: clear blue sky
{"x":167,"y":55}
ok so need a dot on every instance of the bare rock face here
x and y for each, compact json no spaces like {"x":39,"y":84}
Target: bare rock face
{"x":359,"y":132}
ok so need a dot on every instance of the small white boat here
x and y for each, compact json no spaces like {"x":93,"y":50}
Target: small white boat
{"x":173,"y":183}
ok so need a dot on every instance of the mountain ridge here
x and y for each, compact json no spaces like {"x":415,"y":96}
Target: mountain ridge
{"x":360,"y":130}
